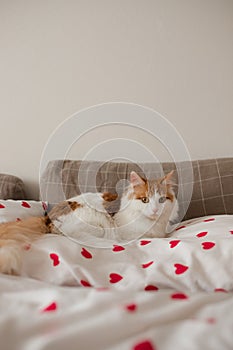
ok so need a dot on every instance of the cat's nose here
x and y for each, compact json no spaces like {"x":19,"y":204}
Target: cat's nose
{"x":155,"y":210}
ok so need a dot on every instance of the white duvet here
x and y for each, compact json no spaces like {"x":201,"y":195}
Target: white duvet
{"x":171,"y":293}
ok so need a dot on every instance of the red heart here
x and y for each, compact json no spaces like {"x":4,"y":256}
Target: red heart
{"x":86,"y":254}
{"x":144,"y":266}
{"x":231,"y":232}
{"x":85,"y":283}
{"x":220,"y":290}
{"x":144,"y":242}
{"x":27,"y":246}
{"x":207,"y":220}
{"x":25,"y":205}
{"x":179,"y":228}
{"x":211,"y":320}
{"x":50,"y":307}
{"x":115,"y":277}
{"x":55,"y":259}
{"x":44,"y":205}
{"x":174,"y":243}
{"x":202,"y":234}
{"x":179,"y":296}
{"x":151,"y":287}
{"x":131,"y":307}
{"x":145,"y":345}
{"x":180,"y":268}
{"x":18,"y":219}
{"x":2,"y":206}
{"x":117,"y":248}
{"x":208,"y":245}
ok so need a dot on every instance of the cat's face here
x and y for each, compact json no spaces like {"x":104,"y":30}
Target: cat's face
{"x":150,"y":197}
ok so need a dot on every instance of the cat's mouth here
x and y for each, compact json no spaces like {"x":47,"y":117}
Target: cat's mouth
{"x":153,"y":216}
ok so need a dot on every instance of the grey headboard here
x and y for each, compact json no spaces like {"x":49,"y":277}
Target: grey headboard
{"x":212,"y":181}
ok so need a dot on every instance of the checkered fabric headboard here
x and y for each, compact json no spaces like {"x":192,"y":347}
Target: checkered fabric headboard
{"x":212,"y":181}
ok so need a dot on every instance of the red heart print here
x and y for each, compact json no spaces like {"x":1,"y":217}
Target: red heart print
{"x":202,"y":234}
{"x":179,"y":268}
{"x":174,"y":243}
{"x":55,"y":259}
{"x":231,"y":232}
{"x":144,"y":266}
{"x":145,"y":242}
{"x":144,"y":345}
{"x":179,"y":296}
{"x":208,"y":245}
{"x":86,"y":254}
{"x":50,"y":307}
{"x":117,"y":248}
{"x":2,"y":206}
{"x":179,"y":228}
{"x":131,"y":307}
{"x":220,"y":290}
{"x":25,"y":204}
{"x":207,"y":220}
{"x":44,"y":205}
{"x":151,"y":287}
{"x":18,"y":219}
{"x":211,"y":320}
{"x":27,"y":246}
{"x":85,"y":283}
{"x":115,"y":278}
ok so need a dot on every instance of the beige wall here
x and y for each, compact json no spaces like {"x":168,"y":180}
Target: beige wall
{"x":60,"y":56}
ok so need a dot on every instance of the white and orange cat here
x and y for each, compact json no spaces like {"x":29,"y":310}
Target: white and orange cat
{"x":145,"y":209}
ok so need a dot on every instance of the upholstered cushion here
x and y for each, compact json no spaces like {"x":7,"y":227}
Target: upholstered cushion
{"x":11,"y":187}
{"x":212,"y":181}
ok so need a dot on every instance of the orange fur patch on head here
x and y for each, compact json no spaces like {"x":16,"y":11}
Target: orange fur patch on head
{"x":139,"y":186}
{"x":141,"y":191}
{"x":170,"y":196}
{"x":165,"y":184}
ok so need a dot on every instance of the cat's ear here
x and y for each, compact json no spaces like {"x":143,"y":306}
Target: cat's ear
{"x":168,"y":179}
{"x":135,"y":179}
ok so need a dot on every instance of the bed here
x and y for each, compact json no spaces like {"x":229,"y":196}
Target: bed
{"x":150,"y":294}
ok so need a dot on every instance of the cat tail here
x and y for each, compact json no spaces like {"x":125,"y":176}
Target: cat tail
{"x":10,"y":257}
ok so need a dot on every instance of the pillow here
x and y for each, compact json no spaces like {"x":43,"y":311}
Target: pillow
{"x":11,"y":210}
{"x":11,"y":187}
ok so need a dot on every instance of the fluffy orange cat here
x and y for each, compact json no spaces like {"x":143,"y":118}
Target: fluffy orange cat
{"x":14,"y":236}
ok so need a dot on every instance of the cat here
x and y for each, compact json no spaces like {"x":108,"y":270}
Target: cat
{"x":16,"y":236}
{"x":145,"y":209}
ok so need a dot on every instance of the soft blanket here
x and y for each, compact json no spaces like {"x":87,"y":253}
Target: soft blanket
{"x":151,"y":294}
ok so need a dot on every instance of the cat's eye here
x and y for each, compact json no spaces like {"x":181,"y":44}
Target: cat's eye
{"x":145,"y":199}
{"x":162,"y":199}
